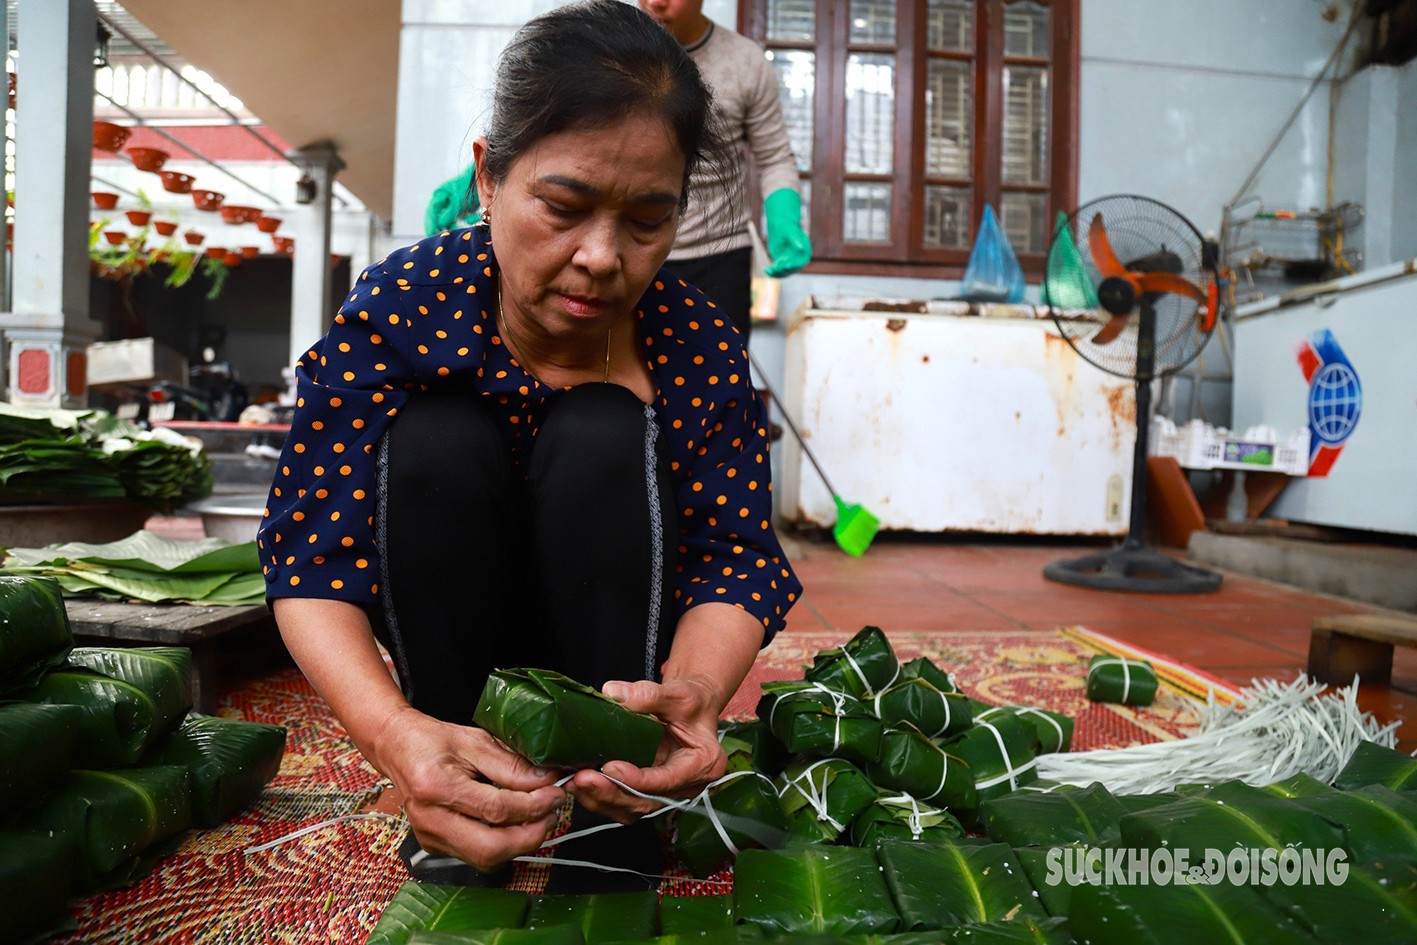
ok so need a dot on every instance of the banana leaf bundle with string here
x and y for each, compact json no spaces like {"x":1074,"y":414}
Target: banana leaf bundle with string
{"x":811,"y":719}
{"x":34,"y":631}
{"x":999,"y":755}
{"x":1276,"y":731}
{"x":922,"y":668}
{"x":939,"y":885}
{"x":1064,"y":815}
{"x":862,"y":666}
{"x":821,"y":798}
{"x":695,"y":915}
{"x":428,"y":906}
{"x":813,"y":889}
{"x":37,"y":744}
{"x":553,"y":720}
{"x":230,"y":762}
{"x":751,"y":746}
{"x":1115,"y":679}
{"x":901,"y":817}
{"x":1054,"y":730}
{"x":739,"y":811}
{"x":919,"y":704}
{"x":912,"y":763}
{"x":601,"y":917}
{"x":130,"y":699}
{"x":716,"y":936}
{"x":551,"y":935}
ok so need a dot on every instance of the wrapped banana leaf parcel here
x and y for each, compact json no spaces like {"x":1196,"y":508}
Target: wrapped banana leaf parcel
{"x":811,"y":888}
{"x":862,"y":666}
{"x":912,"y":763}
{"x":36,"y":878}
{"x":1020,"y":931}
{"x":751,"y":746}
{"x":34,"y":631}
{"x":553,"y":935}
{"x":739,"y":812}
{"x":1378,"y":823}
{"x":939,"y":885}
{"x":429,"y":906}
{"x":811,"y":719}
{"x":1229,"y":815}
{"x":1372,"y":763}
{"x":36,"y":749}
{"x":230,"y":760}
{"x":917,"y":703}
{"x":922,"y":668}
{"x":1064,"y":815}
{"x":695,"y":915}
{"x":1054,"y":730}
{"x":552,"y":720}
{"x":601,"y":917}
{"x":902,"y":817}
{"x":117,"y":823}
{"x":821,"y":798}
{"x":1180,"y":915}
{"x":999,"y":754}
{"x":1114,"y":679}
{"x":130,"y":699}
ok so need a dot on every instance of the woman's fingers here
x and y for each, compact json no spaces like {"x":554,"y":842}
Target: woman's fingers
{"x":503,"y":766}
{"x":482,"y":845}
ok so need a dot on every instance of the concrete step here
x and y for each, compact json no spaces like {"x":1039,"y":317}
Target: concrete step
{"x":1381,"y":575}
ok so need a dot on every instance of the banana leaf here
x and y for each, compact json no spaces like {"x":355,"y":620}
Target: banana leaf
{"x":922,"y":668}
{"x":1066,"y":815}
{"x":863,"y":666}
{"x":1054,"y":730}
{"x":999,"y":754}
{"x":1113,"y":679}
{"x":1377,"y":823}
{"x":552,"y":935}
{"x":130,"y":700}
{"x":1138,"y":803}
{"x":553,"y":720}
{"x":231,"y":762}
{"x":1020,"y":931}
{"x":688,"y":915}
{"x":601,"y":917}
{"x":902,"y":817}
{"x":34,"y":631}
{"x":36,"y":878}
{"x":809,"y":719}
{"x":1375,"y":904}
{"x":812,"y":889}
{"x":912,"y":763}
{"x":1299,"y":785}
{"x":748,"y":813}
{"x":1371,"y":763}
{"x":1229,"y":816}
{"x":1180,"y":915}
{"x":728,"y":935}
{"x":754,"y":747}
{"x":448,"y":908}
{"x":111,"y":819}
{"x":822,"y":798}
{"x":36,"y":749}
{"x":938,"y":885}
{"x":1042,"y":864}
{"x":919,"y":704}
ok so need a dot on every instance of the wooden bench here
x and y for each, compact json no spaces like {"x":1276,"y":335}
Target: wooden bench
{"x":1342,"y":645}
{"x":109,"y":623}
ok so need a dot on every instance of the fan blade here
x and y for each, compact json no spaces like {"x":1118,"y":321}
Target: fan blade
{"x":1212,"y":305}
{"x":1107,"y":262}
{"x":1109,"y":332}
{"x":1166,"y":282}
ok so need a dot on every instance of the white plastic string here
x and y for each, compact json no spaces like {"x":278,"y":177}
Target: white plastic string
{"x":865,"y":686}
{"x":261,"y":848}
{"x":913,"y":821}
{"x":949,"y":716}
{"x":1029,"y":710}
{"x":944,"y":770}
{"x":1010,"y":772}
{"x":1280,"y":730}
{"x":817,"y":797}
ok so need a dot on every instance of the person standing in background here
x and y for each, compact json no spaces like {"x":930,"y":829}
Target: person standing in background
{"x":713,"y":249}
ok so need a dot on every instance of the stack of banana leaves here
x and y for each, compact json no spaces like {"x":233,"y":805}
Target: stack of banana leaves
{"x":103,"y":767}
{"x":148,"y":568}
{"x":65,"y":455}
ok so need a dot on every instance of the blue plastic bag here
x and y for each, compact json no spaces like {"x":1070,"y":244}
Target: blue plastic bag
{"x":993,"y":273}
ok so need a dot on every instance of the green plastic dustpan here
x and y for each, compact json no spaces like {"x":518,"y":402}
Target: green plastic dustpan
{"x":854,"y":528}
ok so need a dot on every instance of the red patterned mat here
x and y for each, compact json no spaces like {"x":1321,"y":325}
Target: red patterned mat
{"x":331,"y":884}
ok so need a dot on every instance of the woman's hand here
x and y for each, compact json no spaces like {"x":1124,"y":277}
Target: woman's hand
{"x":465,"y":794}
{"x":689,"y":757}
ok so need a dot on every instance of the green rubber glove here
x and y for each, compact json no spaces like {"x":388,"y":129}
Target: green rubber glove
{"x":788,"y":246}
{"x":453,"y":201}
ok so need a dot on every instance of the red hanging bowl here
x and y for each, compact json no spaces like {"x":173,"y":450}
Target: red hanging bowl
{"x":267,"y":224}
{"x":164,"y":227}
{"x":235,"y":213}
{"x":194,"y":238}
{"x":116,"y":237}
{"x":207,"y":199}
{"x":284,"y":244}
{"x":108,"y":136}
{"x":148,"y":159}
{"x":139,"y":217}
{"x":232,"y":258}
{"x":250,"y":252}
{"x":216,"y":252}
{"x":104,"y":200}
{"x":176,"y":182}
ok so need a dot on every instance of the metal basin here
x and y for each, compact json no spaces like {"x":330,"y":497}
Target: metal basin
{"x":233,"y":517}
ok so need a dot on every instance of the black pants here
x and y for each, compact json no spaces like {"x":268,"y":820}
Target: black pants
{"x":727,"y":279}
{"x":565,"y":566}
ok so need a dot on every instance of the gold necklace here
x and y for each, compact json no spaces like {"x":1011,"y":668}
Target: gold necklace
{"x":507,"y":330}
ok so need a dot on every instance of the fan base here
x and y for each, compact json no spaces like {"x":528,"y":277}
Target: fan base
{"x":1139,"y":569}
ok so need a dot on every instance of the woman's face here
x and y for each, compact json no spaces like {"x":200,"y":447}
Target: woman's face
{"x":583,"y":221}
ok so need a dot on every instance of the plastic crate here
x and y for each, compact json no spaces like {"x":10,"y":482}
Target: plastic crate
{"x":1198,"y":445}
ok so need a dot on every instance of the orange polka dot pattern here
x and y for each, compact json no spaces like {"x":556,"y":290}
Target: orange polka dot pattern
{"x":423,"y":318}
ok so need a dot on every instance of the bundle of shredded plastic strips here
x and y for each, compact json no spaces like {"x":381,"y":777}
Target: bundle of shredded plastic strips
{"x":1275,"y":732}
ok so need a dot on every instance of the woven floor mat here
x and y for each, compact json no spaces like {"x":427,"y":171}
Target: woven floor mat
{"x":331,"y":884}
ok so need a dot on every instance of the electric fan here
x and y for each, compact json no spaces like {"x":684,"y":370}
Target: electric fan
{"x":1131,"y":285}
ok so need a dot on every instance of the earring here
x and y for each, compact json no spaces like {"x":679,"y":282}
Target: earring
{"x":486,"y":217}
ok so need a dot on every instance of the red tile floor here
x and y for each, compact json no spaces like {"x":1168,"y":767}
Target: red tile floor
{"x":1249,"y":628}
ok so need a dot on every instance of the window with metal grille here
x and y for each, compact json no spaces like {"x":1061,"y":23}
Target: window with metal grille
{"x":908,"y":116}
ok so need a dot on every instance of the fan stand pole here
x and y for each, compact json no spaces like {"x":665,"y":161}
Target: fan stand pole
{"x":1134,"y":566}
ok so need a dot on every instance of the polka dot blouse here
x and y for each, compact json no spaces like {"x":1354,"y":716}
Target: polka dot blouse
{"x":424,"y":318}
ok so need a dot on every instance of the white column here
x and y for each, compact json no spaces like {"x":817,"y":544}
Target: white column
{"x":45,"y":336}
{"x":310,"y":310}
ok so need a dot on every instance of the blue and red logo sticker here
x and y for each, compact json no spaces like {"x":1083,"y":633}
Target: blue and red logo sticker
{"x":1335,"y":399}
